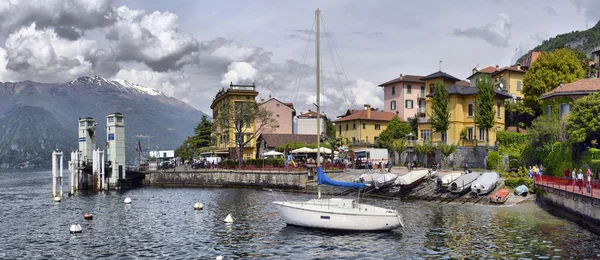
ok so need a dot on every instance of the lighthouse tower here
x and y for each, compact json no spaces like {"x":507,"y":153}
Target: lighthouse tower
{"x":87,"y":138}
{"x":115,"y":147}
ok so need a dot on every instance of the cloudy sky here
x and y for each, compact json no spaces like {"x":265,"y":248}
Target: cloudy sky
{"x":190,"y":49}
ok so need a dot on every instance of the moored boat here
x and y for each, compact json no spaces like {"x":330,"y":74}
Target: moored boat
{"x":485,"y":183}
{"x":463,"y":183}
{"x":500,"y":196}
{"x":411,"y":179}
{"x":377,"y":180}
{"x":445,"y":180}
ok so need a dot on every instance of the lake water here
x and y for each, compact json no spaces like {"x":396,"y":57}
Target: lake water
{"x":161,"y":223}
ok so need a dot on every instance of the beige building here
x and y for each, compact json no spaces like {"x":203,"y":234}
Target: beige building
{"x":307,"y":123}
{"x":283,"y":113}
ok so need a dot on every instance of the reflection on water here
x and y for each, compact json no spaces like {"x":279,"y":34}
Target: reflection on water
{"x":161,"y":223}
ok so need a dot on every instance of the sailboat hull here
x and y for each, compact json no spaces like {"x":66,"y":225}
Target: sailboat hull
{"x":338,"y":214}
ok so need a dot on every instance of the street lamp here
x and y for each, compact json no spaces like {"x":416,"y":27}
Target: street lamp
{"x":410,"y":145}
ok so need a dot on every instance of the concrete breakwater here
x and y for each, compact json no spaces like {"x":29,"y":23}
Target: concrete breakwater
{"x":224,"y":178}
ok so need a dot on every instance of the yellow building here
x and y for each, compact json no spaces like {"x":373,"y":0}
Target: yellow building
{"x":510,"y":79}
{"x":362,"y":127}
{"x":225,"y":138}
{"x":462,"y":112}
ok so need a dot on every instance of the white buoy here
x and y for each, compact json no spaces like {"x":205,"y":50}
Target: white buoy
{"x":75,"y":228}
{"x":219,"y":257}
{"x":127,"y":200}
{"x":228,"y":219}
{"x":57,"y":199}
{"x":198,"y":206}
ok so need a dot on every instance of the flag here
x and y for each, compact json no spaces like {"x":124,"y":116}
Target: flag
{"x":139,"y":145}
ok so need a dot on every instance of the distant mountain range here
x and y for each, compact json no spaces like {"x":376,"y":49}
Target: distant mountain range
{"x":36,"y":118}
{"x":584,"y":41}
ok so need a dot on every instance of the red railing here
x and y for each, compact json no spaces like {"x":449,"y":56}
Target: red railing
{"x":583,"y":187}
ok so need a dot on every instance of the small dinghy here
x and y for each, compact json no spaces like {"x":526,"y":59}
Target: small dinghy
{"x":411,"y":179}
{"x":521,"y":190}
{"x":500,"y":196}
{"x":463,"y":183}
{"x":377,"y":180}
{"x":485,"y":183}
{"x":444,"y":181}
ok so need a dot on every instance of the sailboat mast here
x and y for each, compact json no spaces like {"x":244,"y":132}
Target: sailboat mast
{"x":318,"y":75}
{"x":318,"y":59}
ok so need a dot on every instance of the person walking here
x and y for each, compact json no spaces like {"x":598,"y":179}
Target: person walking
{"x":589,"y":180}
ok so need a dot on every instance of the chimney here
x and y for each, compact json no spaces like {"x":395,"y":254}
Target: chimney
{"x":368,"y":108}
{"x":262,"y":100}
{"x":562,"y":83}
{"x":400,"y":75}
{"x":474,"y":70}
{"x":497,"y":67}
{"x":269,"y":96}
{"x":518,"y":66}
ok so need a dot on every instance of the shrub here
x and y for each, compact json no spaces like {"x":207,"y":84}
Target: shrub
{"x":558,"y":159}
{"x":508,"y":138}
{"x":514,"y":182}
{"x":492,"y":160}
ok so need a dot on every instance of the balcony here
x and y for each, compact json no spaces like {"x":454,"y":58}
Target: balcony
{"x":423,"y":119}
{"x":421,"y":95}
{"x":421,"y":110}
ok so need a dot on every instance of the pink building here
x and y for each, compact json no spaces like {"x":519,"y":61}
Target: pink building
{"x":282,"y":112}
{"x":404,"y":96}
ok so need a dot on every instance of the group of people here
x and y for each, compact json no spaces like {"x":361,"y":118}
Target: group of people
{"x":535,"y":170}
{"x":578,"y":176}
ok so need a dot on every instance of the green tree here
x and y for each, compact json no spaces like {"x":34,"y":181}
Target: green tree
{"x":240,"y":117}
{"x":414,"y":123}
{"x":335,"y":144}
{"x":547,"y":72}
{"x":517,"y":114}
{"x":485,"y":113}
{"x":446,"y":149}
{"x":544,"y":132}
{"x":440,"y":117}
{"x":202,"y":138}
{"x":330,"y":129}
{"x":423,"y":149}
{"x":583,"y":122}
{"x":395,"y":130}
{"x":399,"y":145}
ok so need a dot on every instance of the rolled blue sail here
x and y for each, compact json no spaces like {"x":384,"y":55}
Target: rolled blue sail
{"x":323,"y":179}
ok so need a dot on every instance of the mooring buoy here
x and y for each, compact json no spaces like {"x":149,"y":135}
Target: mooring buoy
{"x":127,"y":200}
{"x":228,"y":219}
{"x":219,"y":257}
{"x":75,"y":228}
{"x":88,"y":216}
{"x":198,"y":206}
{"x":56,"y":199}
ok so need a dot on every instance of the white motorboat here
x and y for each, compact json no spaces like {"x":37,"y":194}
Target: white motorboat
{"x":377,"y":180}
{"x":445,"y":180}
{"x":463,"y":183}
{"x":485,"y":183}
{"x":411,"y":179}
{"x":335,"y":213}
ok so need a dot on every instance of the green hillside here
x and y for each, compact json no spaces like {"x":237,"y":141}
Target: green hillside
{"x":583,"y":41}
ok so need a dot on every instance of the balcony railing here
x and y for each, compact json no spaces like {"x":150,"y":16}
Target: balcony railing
{"x":421,"y":95}
{"x":421,"y":110}
{"x":423,"y":120}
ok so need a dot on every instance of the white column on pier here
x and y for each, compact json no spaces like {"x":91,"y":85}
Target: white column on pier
{"x":61,"y":174}
{"x":53,"y":174}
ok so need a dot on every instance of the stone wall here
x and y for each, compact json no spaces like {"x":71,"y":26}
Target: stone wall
{"x":475,"y":158}
{"x":583,"y":207}
{"x":280,"y":180}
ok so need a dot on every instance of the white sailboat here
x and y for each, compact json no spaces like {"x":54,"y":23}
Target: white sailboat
{"x":335,"y":213}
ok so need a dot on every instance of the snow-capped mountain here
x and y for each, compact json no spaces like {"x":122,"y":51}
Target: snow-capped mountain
{"x":36,"y":118}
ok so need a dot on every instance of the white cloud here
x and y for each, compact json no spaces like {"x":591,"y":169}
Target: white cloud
{"x":152,"y":39}
{"x":239,"y":73}
{"x":70,"y":16}
{"x":42,"y":55}
{"x":497,"y":33}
